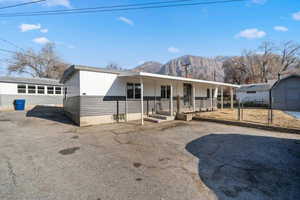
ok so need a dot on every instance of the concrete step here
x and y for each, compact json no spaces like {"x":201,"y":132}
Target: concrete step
{"x":152,"y":119}
{"x":163,"y":117}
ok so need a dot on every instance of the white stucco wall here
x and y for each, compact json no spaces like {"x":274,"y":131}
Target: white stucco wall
{"x":101,"y":84}
{"x":106,"y":84}
{"x":258,"y":97}
{"x":12,"y":89}
{"x":8,"y":88}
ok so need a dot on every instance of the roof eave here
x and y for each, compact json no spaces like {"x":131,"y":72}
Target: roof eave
{"x":146,"y":74}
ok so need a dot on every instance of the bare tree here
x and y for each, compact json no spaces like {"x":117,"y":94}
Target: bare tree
{"x":235,"y":70}
{"x":289,"y":54}
{"x":114,"y":66}
{"x":43,"y":64}
{"x":267,"y":49}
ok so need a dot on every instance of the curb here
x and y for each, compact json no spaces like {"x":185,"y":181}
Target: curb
{"x":249,"y":125}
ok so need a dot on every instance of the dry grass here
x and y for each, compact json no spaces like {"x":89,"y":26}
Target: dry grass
{"x":259,"y":116}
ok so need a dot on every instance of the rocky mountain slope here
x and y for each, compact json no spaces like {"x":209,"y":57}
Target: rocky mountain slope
{"x":151,"y":66}
{"x":195,"y":66}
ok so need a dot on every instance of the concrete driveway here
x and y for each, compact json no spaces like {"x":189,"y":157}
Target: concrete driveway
{"x":43,"y":156}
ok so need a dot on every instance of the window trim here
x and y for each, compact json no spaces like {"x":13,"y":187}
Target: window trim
{"x":165,"y":91}
{"x":29,"y":90}
{"x":18,"y":89}
{"x":56,"y":90}
{"x":38,"y":90}
{"x":134,"y":90}
{"x":53,"y":90}
{"x":251,"y":92}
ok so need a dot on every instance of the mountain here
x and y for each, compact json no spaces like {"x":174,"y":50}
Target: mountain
{"x":151,"y":66}
{"x":206,"y":68}
{"x":197,"y":66}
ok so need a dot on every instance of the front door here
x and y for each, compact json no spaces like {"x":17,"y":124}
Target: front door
{"x":187,"y":94}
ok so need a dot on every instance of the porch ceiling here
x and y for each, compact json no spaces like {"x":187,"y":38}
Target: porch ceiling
{"x":176,"y":78}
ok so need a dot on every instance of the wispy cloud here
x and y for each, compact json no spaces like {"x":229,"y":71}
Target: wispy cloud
{"x":41,"y":40}
{"x":126,"y":20}
{"x":29,"y":27}
{"x":173,"y":50}
{"x":281,"y":28}
{"x":44,"y":30}
{"x":64,"y":3}
{"x":252,"y":33}
{"x":259,"y":1}
{"x":296,"y":16}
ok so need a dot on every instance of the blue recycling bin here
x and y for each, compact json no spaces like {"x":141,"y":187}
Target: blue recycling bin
{"x":19,"y":104}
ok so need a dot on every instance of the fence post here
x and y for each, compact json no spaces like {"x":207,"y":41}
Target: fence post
{"x":239,"y":111}
{"x":242,"y":113}
{"x":270,"y":118}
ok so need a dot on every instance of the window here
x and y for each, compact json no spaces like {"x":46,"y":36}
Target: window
{"x":133,"y":91}
{"x":41,"y":89}
{"x":251,"y":92}
{"x":208,"y":93}
{"x":137,"y":91}
{"x":22,"y":89}
{"x":165,"y":91}
{"x":58,"y":90}
{"x":31,"y":89}
{"x":50,"y":90}
{"x":130,"y":91}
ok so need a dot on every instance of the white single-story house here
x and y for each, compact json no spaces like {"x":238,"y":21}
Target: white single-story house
{"x":256,"y":94}
{"x":35,"y":91}
{"x":286,"y":93}
{"x":97,"y":95}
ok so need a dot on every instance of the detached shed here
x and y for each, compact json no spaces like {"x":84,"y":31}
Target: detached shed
{"x":35,"y":91}
{"x":256,"y":94}
{"x":286,"y":93}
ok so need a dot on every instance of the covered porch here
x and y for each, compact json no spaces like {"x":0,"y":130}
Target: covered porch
{"x":162,"y":95}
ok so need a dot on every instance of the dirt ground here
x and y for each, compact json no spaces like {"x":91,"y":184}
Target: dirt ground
{"x":260,"y":116}
{"x":44,"y":156}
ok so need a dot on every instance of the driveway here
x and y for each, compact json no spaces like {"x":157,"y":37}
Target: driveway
{"x":44,"y":156}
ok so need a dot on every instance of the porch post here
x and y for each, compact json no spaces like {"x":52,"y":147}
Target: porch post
{"x":155,"y":96}
{"x":211,"y":98}
{"x":231,"y":98}
{"x":216,"y":97}
{"x":194,"y":98}
{"x":171,"y":98}
{"x":126,"y":104}
{"x":222,"y":98}
{"x":142,"y":101}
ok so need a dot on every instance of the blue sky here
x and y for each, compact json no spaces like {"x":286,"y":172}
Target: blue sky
{"x":131,"y":37}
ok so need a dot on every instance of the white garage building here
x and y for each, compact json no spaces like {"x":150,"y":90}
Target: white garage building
{"x":35,"y":91}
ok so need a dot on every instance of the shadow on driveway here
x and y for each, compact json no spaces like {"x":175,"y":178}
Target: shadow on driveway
{"x":237,"y":166}
{"x":50,"y":113}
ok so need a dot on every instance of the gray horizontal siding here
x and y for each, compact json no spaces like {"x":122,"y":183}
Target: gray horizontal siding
{"x":108,"y":105}
{"x":286,"y":94}
{"x":72,"y":108}
{"x":31,"y":100}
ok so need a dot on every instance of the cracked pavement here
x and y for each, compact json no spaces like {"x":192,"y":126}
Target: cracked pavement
{"x":44,"y":159}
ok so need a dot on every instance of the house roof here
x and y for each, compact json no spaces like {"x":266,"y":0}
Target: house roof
{"x":176,"y":78}
{"x":68,"y":73}
{"x":255,"y":87}
{"x":286,"y":77}
{"x":73,"y":68}
{"x":38,"y":81}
